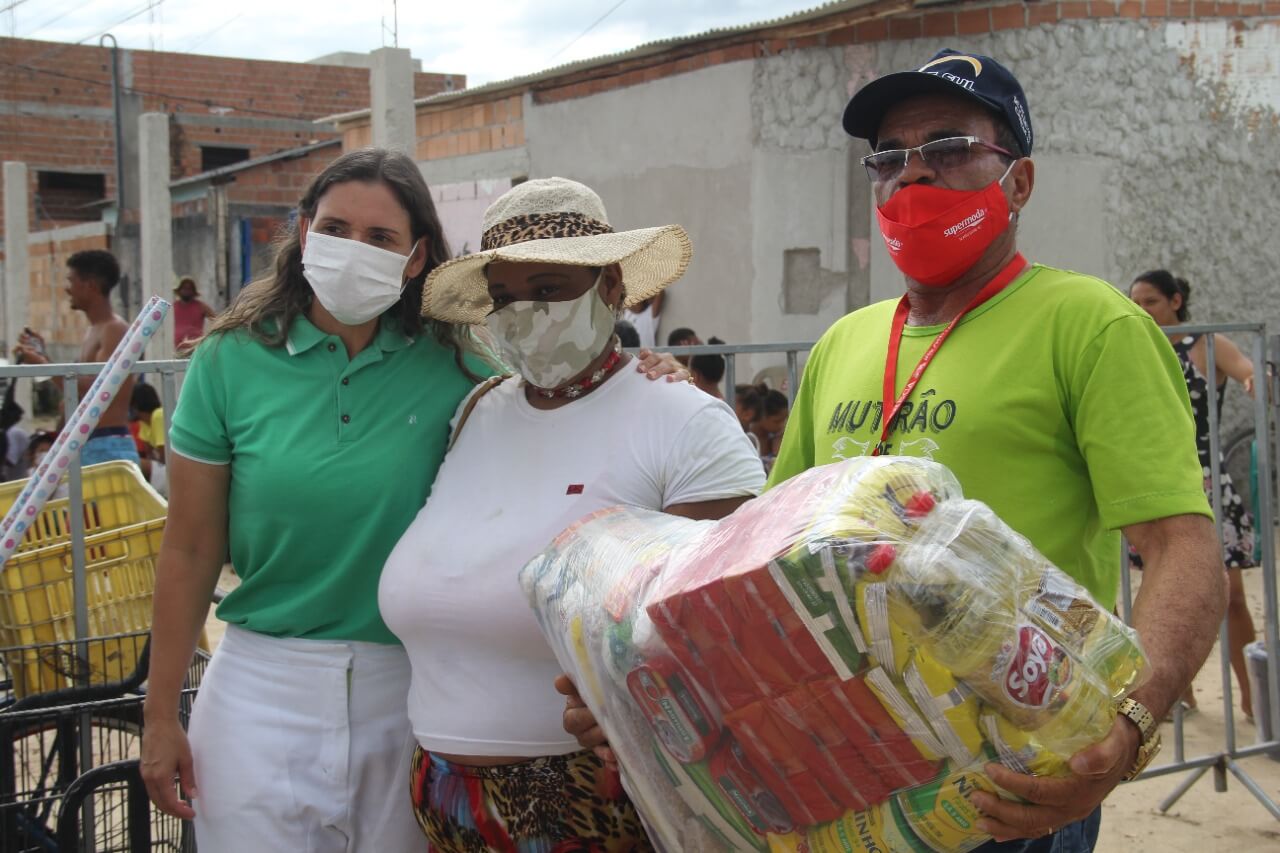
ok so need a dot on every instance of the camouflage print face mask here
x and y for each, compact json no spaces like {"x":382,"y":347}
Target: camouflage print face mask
{"x":552,"y":342}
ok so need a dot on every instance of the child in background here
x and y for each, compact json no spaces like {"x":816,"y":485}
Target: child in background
{"x":146,"y":413}
{"x":13,"y":438}
{"x":135,"y":430}
{"x":41,"y":443}
{"x":708,"y":371}
{"x":683,"y":337}
{"x":768,"y":427}
{"x":746,"y":405}
{"x":627,"y":334}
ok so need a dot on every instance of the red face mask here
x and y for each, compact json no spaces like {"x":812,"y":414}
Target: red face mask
{"x":934,"y":234}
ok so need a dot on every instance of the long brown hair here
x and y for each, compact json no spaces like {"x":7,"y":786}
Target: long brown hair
{"x":267,"y":307}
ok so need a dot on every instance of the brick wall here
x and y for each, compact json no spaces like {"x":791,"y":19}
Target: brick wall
{"x":185,"y":141}
{"x":357,"y":136}
{"x":280,"y":181}
{"x":450,"y":130}
{"x":80,"y":76}
{"x":65,"y":205}
{"x":70,"y":87}
{"x":472,"y":129}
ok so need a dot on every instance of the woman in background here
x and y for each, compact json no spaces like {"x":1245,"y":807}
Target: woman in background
{"x":772,"y":420}
{"x":1167,"y":299}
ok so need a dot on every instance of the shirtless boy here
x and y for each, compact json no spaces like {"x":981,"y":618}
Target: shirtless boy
{"x":91,"y":275}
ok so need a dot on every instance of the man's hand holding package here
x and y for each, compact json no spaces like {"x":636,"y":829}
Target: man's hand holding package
{"x":1182,"y":599}
{"x":1052,"y":803}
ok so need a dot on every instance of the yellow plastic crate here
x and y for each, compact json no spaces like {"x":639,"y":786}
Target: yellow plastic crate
{"x":115,"y":495}
{"x":124,"y":526}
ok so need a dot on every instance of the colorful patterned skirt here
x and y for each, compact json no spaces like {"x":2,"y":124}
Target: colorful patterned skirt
{"x":554,"y":804}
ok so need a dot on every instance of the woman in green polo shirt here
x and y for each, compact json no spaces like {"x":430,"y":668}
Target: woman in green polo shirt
{"x":310,"y":427}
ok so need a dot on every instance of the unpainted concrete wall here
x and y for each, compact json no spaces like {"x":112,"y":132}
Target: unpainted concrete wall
{"x":679,"y":149}
{"x":810,"y":196}
{"x":461,"y":206}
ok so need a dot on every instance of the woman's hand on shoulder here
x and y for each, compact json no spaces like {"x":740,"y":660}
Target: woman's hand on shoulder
{"x":655,"y":365}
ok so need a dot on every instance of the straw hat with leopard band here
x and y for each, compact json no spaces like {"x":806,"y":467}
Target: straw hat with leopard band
{"x":554,"y":221}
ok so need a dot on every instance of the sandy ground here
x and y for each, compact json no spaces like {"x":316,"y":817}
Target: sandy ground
{"x":1202,"y":821}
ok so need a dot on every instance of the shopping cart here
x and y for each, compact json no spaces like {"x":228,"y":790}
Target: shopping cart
{"x":114,"y":799}
{"x":74,"y":703}
{"x":50,"y":742}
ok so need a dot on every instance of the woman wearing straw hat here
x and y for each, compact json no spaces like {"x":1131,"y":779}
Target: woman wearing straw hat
{"x":494,"y":769}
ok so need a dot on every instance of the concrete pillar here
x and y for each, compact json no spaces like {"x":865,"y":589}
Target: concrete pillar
{"x":124,"y":243}
{"x":391,"y":97}
{"x":157,"y":221}
{"x":17,"y":271}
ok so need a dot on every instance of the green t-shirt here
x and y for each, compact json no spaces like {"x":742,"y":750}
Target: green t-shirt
{"x":330,"y":457}
{"x":1058,"y":403}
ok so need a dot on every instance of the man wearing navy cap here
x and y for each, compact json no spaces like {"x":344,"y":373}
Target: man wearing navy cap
{"x":1051,"y":396}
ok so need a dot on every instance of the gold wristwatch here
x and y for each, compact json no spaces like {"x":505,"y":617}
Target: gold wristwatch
{"x":1147,"y":727}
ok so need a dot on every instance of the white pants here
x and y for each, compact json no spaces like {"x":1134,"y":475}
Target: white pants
{"x":303,"y":745}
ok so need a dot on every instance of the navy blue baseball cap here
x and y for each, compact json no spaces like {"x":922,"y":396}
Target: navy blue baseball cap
{"x":950,"y":72}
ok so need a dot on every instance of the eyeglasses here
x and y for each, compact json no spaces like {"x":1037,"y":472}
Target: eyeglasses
{"x":941,"y":155}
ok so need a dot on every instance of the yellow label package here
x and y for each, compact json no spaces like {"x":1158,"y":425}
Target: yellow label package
{"x":941,"y":813}
{"x":878,"y":829}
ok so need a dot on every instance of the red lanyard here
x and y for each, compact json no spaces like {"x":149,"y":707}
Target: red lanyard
{"x":1002,"y":279}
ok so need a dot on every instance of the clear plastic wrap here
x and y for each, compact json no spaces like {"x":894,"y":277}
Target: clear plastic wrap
{"x":830,"y":667}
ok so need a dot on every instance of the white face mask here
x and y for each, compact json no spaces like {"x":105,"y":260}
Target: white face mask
{"x":354,"y":281}
{"x":552,"y":342}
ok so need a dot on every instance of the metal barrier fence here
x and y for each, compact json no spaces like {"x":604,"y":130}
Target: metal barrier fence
{"x":791,"y":351}
{"x":1250,"y":337}
{"x":1262,"y":352}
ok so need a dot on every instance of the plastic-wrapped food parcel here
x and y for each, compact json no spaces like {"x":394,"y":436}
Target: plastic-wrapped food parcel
{"x":830,"y":667}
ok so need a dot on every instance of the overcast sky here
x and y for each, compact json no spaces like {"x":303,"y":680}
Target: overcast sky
{"x":485,"y":39}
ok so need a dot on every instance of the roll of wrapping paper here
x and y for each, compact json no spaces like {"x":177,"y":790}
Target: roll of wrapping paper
{"x":80,"y":426}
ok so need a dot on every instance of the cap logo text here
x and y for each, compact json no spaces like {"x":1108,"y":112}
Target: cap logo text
{"x":977,"y":66}
{"x":1022,"y":119}
{"x":959,"y":81}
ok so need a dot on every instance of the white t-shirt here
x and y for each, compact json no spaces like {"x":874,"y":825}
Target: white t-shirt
{"x":645,"y":324}
{"x":517,"y":476}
